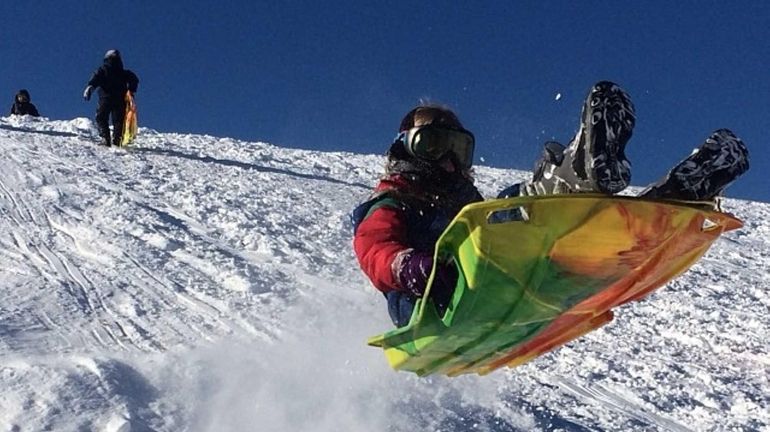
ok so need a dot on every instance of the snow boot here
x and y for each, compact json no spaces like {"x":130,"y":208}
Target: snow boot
{"x":543,"y":178}
{"x":706,"y":172}
{"x":595,"y":160}
{"x":553,"y":155}
{"x":104,"y":136}
{"x":597,"y":153}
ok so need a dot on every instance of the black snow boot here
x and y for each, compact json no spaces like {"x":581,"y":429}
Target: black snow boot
{"x":595,"y":160}
{"x":706,"y":172}
{"x":598,"y":150}
{"x":104,"y":139}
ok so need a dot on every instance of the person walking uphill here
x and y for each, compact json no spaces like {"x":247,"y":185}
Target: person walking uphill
{"x":22,"y":105}
{"x":112,"y":80}
{"x":426,"y":183}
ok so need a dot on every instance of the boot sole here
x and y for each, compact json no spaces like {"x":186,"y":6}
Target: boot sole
{"x":608,"y":121}
{"x":706,"y":173}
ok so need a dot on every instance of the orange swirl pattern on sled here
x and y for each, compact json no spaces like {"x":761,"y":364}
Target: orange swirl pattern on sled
{"x":130,"y":121}
{"x":537,"y":272}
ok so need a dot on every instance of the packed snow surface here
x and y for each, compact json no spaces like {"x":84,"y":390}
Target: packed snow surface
{"x":196,"y":283}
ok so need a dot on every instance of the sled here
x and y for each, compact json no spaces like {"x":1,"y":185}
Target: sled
{"x":130,"y":124}
{"x":538,"y":272}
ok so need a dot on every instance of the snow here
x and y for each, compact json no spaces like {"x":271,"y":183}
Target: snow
{"x":206,"y":284}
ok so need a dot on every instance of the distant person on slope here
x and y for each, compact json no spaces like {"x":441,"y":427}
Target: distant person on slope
{"x":428,"y":180}
{"x":22,"y":105}
{"x":112,"y":80}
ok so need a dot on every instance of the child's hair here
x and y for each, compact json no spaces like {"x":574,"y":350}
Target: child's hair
{"x":438,"y":114}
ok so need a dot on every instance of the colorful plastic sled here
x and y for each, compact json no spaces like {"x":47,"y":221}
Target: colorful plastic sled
{"x":130,"y":123}
{"x":537,"y":272}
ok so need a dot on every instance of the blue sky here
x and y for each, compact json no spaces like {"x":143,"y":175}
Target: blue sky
{"x":339,"y":76}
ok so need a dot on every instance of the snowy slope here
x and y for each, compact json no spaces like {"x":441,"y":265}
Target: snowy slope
{"x":206,"y":284}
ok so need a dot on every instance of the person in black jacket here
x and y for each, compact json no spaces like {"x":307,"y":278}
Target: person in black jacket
{"x":22,"y":105}
{"x":113,"y":81}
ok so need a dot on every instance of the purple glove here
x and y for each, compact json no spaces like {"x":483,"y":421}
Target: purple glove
{"x":415,"y":270}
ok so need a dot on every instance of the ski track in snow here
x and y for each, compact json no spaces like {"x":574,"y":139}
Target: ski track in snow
{"x":206,"y":284}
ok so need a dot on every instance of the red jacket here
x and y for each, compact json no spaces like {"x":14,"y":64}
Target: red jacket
{"x":401,"y":217}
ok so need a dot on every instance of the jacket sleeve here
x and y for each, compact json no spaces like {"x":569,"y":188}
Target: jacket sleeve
{"x":33,"y":110}
{"x":132,"y":81}
{"x":97,"y":79}
{"x":13,"y":109}
{"x":380,"y":243}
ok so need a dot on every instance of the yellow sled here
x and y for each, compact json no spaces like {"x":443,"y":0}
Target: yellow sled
{"x":130,"y":122}
{"x":537,"y":272}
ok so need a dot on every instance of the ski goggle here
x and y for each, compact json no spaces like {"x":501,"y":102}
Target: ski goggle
{"x":433,"y":143}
